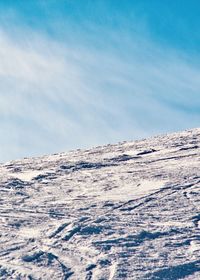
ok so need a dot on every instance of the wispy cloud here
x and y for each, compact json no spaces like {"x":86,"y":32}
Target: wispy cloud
{"x":59,"y":95}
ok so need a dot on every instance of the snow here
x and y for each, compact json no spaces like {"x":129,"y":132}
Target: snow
{"x":26,"y":176}
{"x":124,"y":211}
{"x":134,"y":191}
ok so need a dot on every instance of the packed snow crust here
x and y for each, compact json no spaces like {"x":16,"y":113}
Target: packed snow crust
{"x":125,"y":211}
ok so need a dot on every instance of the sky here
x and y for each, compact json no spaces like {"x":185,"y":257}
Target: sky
{"x":77,"y":74}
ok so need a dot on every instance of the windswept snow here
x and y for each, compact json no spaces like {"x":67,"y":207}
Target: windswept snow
{"x":26,"y":176}
{"x":133,"y":191}
{"x":125,"y":211}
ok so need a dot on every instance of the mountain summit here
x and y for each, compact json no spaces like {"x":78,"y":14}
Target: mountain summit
{"x":125,"y":211}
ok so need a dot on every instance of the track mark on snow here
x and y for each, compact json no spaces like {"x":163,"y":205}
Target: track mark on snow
{"x":59,"y":229}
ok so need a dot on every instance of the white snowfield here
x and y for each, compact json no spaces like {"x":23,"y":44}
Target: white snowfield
{"x":125,"y":211}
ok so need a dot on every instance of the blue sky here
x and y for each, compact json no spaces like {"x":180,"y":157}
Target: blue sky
{"x":76,"y":74}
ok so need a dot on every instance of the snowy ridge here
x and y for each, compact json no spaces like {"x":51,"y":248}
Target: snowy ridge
{"x":125,"y":211}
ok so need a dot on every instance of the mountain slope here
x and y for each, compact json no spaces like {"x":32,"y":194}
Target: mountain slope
{"x":125,"y":211}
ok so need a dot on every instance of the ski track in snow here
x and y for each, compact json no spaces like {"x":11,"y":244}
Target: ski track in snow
{"x":125,"y":211}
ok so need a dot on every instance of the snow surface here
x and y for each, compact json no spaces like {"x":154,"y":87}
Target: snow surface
{"x":125,"y":211}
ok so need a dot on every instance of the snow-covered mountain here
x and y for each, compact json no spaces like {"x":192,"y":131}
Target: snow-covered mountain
{"x":125,"y":211}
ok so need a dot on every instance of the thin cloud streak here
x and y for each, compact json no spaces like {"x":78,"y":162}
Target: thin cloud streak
{"x":55,"y":96}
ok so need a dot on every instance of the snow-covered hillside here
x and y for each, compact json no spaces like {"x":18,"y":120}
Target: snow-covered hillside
{"x":125,"y":211}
